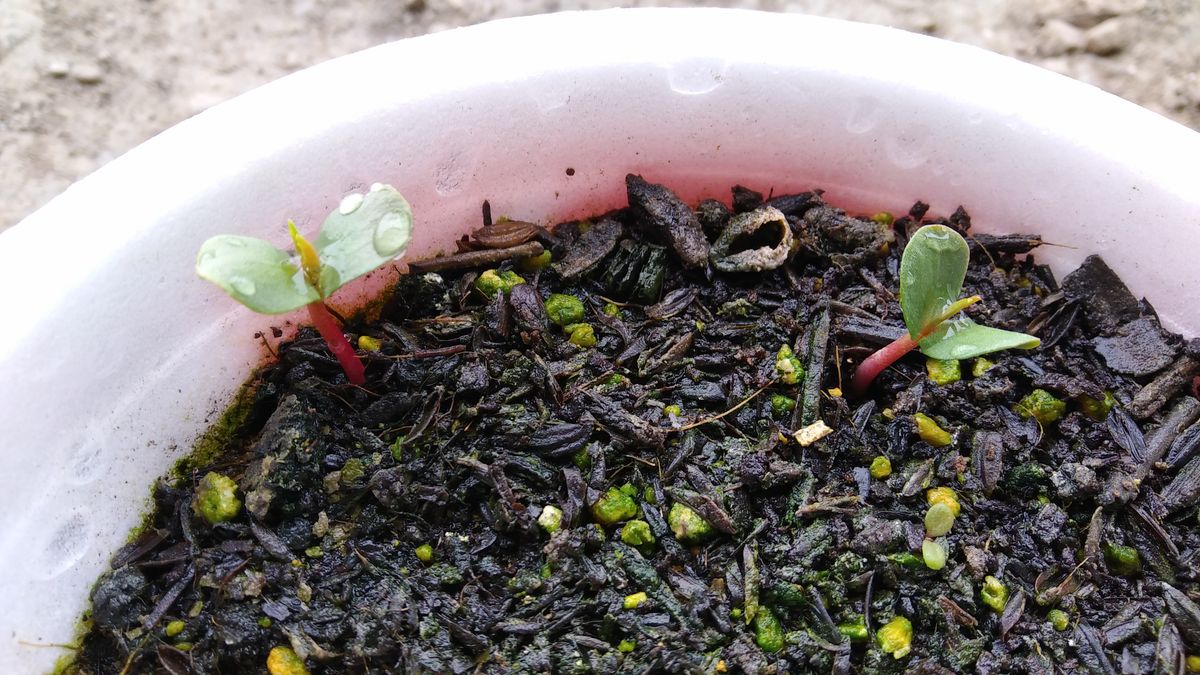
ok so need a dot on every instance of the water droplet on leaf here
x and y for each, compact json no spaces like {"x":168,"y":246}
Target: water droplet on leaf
{"x":243,"y":285}
{"x":391,"y":234}
{"x":350,"y":203}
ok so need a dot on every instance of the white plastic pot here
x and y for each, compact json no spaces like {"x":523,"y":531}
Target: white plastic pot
{"x":114,"y":357}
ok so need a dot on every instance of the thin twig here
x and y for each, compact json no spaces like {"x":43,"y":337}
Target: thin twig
{"x":734,"y":409}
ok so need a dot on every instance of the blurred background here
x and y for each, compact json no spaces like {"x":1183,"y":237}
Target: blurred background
{"x":83,"y":81}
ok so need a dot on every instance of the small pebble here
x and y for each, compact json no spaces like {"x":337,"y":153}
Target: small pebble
{"x":58,"y":69}
{"x":1108,"y":37}
{"x":1058,"y":37}
{"x":88,"y":73}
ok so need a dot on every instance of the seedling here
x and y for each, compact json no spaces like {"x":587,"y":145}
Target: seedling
{"x":932,"y":271}
{"x":364,"y":232}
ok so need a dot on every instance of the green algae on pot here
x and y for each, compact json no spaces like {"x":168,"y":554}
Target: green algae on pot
{"x":536,"y":471}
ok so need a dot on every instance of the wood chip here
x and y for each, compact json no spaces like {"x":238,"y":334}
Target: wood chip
{"x":812,"y":433}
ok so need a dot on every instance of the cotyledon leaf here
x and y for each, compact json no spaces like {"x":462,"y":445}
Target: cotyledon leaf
{"x":932,"y":269}
{"x":254,"y":273}
{"x":364,"y":232}
{"x":962,"y":338}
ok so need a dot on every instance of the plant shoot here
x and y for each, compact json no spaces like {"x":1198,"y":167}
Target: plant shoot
{"x":932,"y":270}
{"x":364,"y":232}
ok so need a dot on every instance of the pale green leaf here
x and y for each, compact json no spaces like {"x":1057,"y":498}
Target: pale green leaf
{"x":254,"y":273}
{"x":932,"y":270}
{"x":962,"y":338}
{"x":361,"y":235}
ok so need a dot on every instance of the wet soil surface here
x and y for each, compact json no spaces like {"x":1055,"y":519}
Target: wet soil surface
{"x":629,"y":494}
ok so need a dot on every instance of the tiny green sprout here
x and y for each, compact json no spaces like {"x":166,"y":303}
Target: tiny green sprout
{"x":615,"y":380}
{"x":932,"y":270}
{"x":933,"y":553}
{"x":613,"y":507}
{"x":768,"y":632}
{"x":550,"y":519}
{"x":284,"y":661}
{"x":856,"y":630}
{"x":352,"y":471}
{"x":881,"y":467}
{"x":994,"y":594}
{"x":611,"y":309}
{"x":980,"y":366}
{"x":425,"y":553}
{"x":626,"y":646}
{"x":884,"y":218}
{"x":216,"y":499}
{"x":174,"y":628}
{"x":943,"y":371}
{"x":1192,"y":663}
{"x":369,"y":344}
{"x":637,"y":533}
{"x":905,"y":559}
{"x":264,"y":622}
{"x":1042,"y":406}
{"x":672,"y":410}
{"x":582,"y":335}
{"x":788,"y":366}
{"x":895,"y":637}
{"x":564,"y":309}
{"x":938,"y":520}
{"x":1097,"y":409}
{"x":363,"y":233}
{"x":1123,"y":560}
{"x":534,"y":263}
{"x":944,"y":495}
{"x":781,"y":405}
{"x":689,"y":527}
{"x":582,"y":460}
{"x":633,"y":600}
{"x":930,"y":431}
{"x":1059,"y":619}
{"x":491,"y":282}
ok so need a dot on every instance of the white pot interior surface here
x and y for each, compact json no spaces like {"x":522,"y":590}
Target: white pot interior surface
{"x":114,"y":356}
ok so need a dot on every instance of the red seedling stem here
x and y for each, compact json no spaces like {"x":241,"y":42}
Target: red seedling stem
{"x":329,"y":329}
{"x":876,"y":363}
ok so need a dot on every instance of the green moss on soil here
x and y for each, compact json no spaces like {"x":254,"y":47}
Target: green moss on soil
{"x":213,"y":442}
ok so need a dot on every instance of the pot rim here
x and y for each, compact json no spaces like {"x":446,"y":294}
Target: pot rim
{"x":904,"y":109}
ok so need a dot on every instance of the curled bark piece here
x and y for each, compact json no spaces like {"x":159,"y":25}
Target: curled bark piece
{"x":755,"y":241}
{"x":591,"y":247}
{"x":670,"y":218}
{"x":1164,"y":387}
{"x":1185,"y":489}
{"x":505,"y":234}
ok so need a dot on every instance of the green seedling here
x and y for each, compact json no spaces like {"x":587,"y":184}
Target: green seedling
{"x":932,"y":270}
{"x":364,"y":232}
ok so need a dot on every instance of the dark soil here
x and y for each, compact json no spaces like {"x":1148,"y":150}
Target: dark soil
{"x":479,"y":413}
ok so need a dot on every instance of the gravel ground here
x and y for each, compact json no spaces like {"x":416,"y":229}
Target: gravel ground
{"x":82,"y":81}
